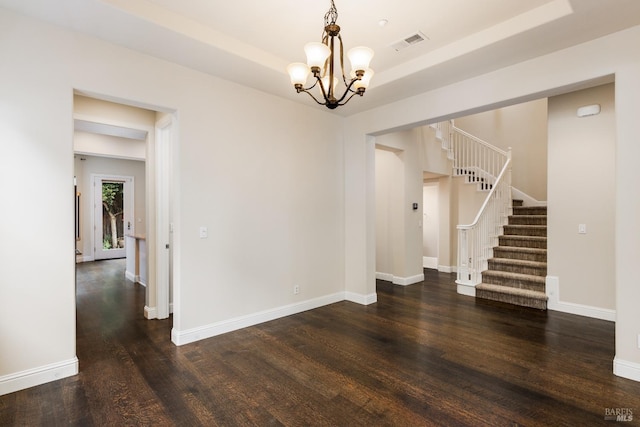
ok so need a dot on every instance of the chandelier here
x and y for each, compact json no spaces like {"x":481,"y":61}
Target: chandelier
{"x":321,"y":62}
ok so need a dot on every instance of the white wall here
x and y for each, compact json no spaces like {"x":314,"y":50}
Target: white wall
{"x":430,"y":219}
{"x":264,"y":174}
{"x":523,"y":127}
{"x":559,"y":72}
{"x":582,"y":191}
{"x":399,"y":184}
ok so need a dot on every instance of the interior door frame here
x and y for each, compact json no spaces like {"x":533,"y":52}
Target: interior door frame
{"x":164,"y":133}
{"x":96,"y":218}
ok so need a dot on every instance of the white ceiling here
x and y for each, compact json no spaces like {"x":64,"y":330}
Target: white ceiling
{"x":251,"y":42}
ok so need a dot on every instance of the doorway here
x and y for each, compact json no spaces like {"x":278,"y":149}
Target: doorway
{"x":118,"y":154}
{"x":112,"y":215}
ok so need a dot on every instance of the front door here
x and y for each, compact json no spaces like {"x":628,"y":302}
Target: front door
{"x":113,"y":196}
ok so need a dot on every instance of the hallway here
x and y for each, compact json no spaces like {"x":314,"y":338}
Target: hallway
{"x":423,"y":355}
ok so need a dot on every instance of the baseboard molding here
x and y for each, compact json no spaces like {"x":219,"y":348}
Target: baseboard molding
{"x":626,"y":369}
{"x":466,"y":289}
{"x":219,"y":328}
{"x":84,"y":258}
{"x":429,"y":262}
{"x":527,"y":200}
{"x":446,"y":269}
{"x":552,"y":286}
{"x":384,"y":276}
{"x":406,"y":281}
{"x":360,"y":298}
{"x":130,"y":276}
{"x":37,"y":376}
{"x":403,"y":281}
{"x":150,"y":312}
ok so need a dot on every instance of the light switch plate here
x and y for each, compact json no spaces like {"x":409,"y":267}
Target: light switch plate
{"x":204,"y":233}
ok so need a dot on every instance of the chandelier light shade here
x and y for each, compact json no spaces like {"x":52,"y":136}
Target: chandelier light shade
{"x":322,"y":60}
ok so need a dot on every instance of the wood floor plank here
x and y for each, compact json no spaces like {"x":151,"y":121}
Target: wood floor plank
{"x":422,"y":355}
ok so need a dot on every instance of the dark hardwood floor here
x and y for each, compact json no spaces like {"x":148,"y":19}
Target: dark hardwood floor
{"x":423,"y":355}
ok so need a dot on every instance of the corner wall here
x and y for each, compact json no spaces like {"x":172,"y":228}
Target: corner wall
{"x":582,"y":191}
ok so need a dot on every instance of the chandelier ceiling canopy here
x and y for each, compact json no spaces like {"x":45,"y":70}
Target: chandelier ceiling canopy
{"x":323,"y":58}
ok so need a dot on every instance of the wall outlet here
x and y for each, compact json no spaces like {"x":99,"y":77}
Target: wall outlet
{"x":204,"y":233}
{"x":582,"y":228}
{"x":296,"y":289}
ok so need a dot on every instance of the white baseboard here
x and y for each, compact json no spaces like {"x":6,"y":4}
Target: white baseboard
{"x":218,"y":328}
{"x":465,"y":289}
{"x":150,"y":312}
{"x":130,"y":276}
{"x":429,"y":262}
{"x":84,"y":258}
{"x":552,"y":286}
{"x":360,"y":298}
{"x":384,"y":276}
{"x":42,"y":375}
{"x":626,"y":369}
{"x":446,"y":269}
{"x":527,"y":200}
{"x":406,"y":281}
{"x":403,"y":281}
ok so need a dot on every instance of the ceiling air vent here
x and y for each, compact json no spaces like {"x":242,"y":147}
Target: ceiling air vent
{"x":413,"y":39}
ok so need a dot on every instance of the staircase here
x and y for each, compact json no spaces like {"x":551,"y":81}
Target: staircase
{"x":516,"y":273}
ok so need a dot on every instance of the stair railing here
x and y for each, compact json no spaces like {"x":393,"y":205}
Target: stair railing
{"x":477,"y":240}
{"x":476,"y":159}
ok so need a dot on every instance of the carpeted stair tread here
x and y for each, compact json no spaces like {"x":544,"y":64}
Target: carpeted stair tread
{"x":520,"y":262}
{"x":529,"y":210}
{"x":527,"y":220}
{"x":525,"y":230}
{"x":513,"y":252}
{"x":523,"y":241}
{"x":530,"y":267}
{"x":522,"y":297}
{"x":513,"y":276}
{"x":522,"y":250}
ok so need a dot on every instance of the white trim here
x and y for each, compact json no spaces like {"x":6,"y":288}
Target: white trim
{"x":384,"y":276}
{"x":360,"y":298}
{"x":150,"y":312}
{"x":403,"y":281}
{"x":466,"y":289}
{"x":222,"y":327}
{"x":84,"y":258}
{"x":131,"y":277}
{"x":626,"y":369}
{"x":406,"y":281}
{"x":446,"y":269}
{"x":140,"y":282}
{"x":163,"y":143}
{"x":552,"y":285}
{"x":527,"y":200}
{"x":36,"y":376}
{"x":429,"y":262}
